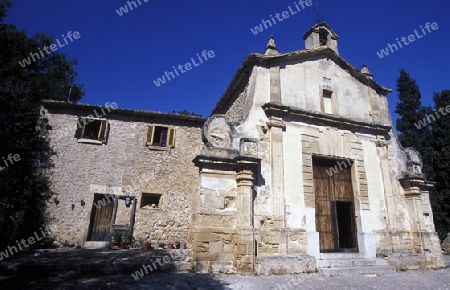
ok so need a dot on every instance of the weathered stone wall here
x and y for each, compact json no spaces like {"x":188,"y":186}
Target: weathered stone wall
{"x":302,"y":82}
{"x":237,"y":108}
{"x":123,"y":166}
{"x":286,"y":264}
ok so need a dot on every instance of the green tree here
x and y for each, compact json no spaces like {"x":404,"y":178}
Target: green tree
{"x":186,"y":112}
{"x":24,"y":186}
{"x":420,"y":128}
{"x":414,"y":130}
{"x":440,"y":161}
{"x":410,"y":112}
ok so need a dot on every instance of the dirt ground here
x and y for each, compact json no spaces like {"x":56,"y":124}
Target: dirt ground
{"x":62,"y":278}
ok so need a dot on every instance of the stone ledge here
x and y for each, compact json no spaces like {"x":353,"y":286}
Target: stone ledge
{"x":285,"y":264}
{"x":412,"y":261}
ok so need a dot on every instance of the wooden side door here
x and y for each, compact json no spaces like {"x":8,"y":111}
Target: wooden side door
{"x":324,"y":209}
{"x":101,"y":215}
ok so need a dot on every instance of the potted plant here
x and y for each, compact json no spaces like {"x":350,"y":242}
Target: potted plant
{"x":170,"y":245}
{"x":182,"y":245}
{"x":147,"y":245}
{"x":161,"y":246}
{"x":177,"y":244}
{"x":126,"y":239}
{"x":115,"y":239}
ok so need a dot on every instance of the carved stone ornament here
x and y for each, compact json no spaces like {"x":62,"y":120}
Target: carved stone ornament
{"x":414,"y":162}
{"x":249,"y":146}
{"x":381,"y":142}
{"x":217,"y":132}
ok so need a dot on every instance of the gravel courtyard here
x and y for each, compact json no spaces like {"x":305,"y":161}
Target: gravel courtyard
{"x":87,"y":270}
{"x":412,"y":280}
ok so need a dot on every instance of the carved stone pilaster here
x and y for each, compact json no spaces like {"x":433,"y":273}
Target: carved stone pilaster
{"x":223,"y":235}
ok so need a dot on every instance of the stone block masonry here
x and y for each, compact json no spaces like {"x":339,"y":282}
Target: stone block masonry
{"x":124,"y":166}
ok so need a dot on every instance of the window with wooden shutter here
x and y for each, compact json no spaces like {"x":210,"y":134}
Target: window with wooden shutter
{"x":160,"y":137}
{"x":103,"y":132}
{"x":150,"y":130}
{"x":171,"y":138}
{"x":80,"y":127}
{"x":91,"y":130}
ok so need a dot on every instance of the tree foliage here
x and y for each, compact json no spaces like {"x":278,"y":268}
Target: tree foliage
{"x":410,"y":110}
{"x":431,"y":140}
{"x":186,"y":112}
{"x":440,"y":163}
{"x":23,"y":184}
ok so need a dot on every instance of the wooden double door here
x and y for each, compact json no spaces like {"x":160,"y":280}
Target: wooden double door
{"x":335,"y":214}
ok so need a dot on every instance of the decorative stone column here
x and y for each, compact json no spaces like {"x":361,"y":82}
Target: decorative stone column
{"x":222,"y":234}
{"x":277,"y":126}
{"x":424,"y":236}
{"x":245,"y":182}
{"x":245,"y":239}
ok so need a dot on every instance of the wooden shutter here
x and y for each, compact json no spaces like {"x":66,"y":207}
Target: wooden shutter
{"x":80,"y":128}
{"x":104,"y":130}
{"x":171,"y":138}
{"x":150,"y":130}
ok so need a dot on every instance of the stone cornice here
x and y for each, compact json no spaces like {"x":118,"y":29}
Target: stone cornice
{"x":221,"y":158}
{"x":414,"y":185}
{"x":277,"y":110}
{"x":67,"y":107}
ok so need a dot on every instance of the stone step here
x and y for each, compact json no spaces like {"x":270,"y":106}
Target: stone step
{"x":95,"y":245}
{"x":356,"y":271}
{"x":340,"y":256}
{"x":347,"y":263}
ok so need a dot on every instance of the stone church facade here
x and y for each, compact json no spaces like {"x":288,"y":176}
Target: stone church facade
{"x":297,"y":167}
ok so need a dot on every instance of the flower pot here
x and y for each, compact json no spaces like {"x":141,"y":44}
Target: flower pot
{"x":169,"y":245}
{"x":112,"y":245}
{"x":123,"y":245}
{"x":183,"y":246}
{"x":147,"y":246}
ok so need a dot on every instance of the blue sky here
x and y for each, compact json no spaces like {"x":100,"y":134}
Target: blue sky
{"x":120,"y":56}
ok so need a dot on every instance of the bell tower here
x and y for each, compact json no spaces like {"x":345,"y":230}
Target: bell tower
{"x":319,"y":35}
